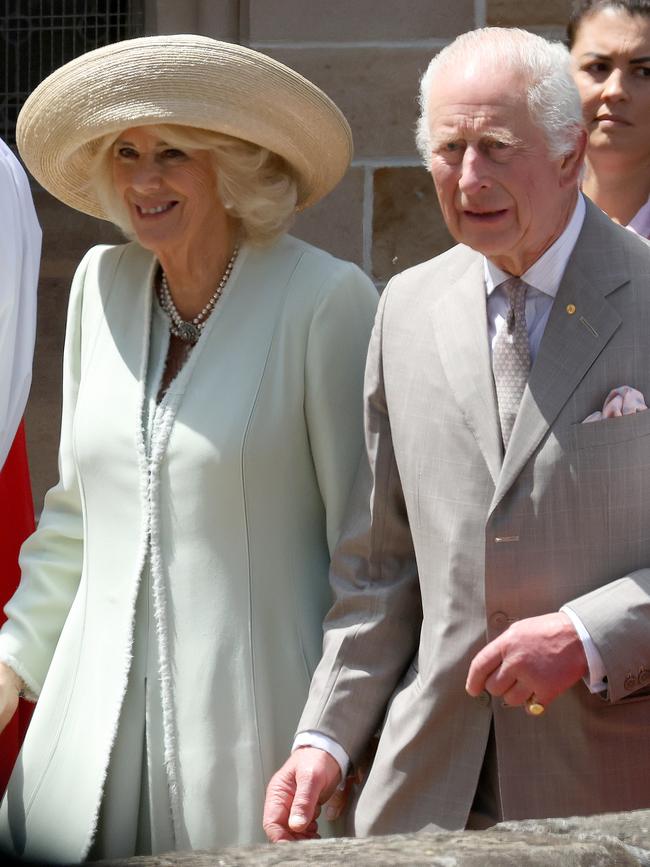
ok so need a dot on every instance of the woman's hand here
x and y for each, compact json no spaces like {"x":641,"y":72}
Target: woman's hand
{"x":10,"y":687}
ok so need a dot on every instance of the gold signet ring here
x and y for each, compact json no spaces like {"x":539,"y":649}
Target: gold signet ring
{"x":534,"y":706}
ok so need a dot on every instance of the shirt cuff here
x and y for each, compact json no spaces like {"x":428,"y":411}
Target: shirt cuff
{"x":323,"y":742}
{"x":595,"y":681}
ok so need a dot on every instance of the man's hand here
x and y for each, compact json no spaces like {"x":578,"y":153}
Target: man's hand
{"x":10,"y":686}
{"x":540,"y":655}
{"x":296,"y":792}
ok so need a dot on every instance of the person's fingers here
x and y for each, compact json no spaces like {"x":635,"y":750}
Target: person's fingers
{"x":9,"y":693}
{"x":309,"y":787}
{"x":336,"y":803}
{"x":500,"y":681}
{"x":484,"y":663}
{"x":279,"y":798}
{"x":517,"y":695}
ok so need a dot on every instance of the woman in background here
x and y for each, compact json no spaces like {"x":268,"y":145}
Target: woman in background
{"x":169,"y":614}
{"x":610,"y":45}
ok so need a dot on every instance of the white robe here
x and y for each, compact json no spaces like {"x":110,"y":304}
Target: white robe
{"x":20,"y":251}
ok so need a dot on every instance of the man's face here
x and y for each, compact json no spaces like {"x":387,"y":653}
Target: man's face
{"x":499,"y":190}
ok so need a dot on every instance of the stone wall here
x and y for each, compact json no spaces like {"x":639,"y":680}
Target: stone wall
{"x":612,"y":840}
{"x":368,"y":55}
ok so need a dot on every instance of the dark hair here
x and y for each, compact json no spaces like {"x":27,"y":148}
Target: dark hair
{"x":581,"y":9}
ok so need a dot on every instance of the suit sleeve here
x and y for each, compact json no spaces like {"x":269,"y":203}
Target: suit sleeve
{"x":51,"y":559}
{"x":337,"y":345}
{"x":372,"y":630}
{"x":617,"y":617}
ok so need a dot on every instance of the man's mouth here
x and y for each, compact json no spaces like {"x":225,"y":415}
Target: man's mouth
{"x":483,"y":216}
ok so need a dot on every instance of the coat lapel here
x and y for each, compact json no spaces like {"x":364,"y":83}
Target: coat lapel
{"x":460,"y":327}
{"x":581,"y":323}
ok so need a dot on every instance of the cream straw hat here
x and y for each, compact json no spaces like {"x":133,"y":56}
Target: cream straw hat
{"x":187,"y":80}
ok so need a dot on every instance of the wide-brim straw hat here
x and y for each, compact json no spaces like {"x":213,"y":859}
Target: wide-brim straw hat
{"x":181,"y":79}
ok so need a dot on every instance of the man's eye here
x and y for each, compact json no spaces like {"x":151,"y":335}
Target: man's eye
{"x":641,"y":72}
{"x":497,"y":145}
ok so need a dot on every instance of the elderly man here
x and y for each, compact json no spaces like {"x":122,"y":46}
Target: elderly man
{"x":492,"y":606}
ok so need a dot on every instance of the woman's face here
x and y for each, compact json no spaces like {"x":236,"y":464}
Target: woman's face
{"x":611,"y":57}
{"x":170,"y":194}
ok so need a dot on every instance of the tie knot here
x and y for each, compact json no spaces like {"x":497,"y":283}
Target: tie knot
{"x":515,"y":288}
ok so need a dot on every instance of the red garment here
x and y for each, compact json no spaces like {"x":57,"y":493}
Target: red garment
{"x":16,"y":523}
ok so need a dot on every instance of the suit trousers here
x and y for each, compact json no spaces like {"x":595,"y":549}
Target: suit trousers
{"x":486,"y":807}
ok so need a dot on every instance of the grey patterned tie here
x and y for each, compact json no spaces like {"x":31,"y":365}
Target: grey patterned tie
{"x":511,"y":357}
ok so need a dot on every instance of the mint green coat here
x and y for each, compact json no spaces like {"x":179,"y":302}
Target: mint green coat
{"x":242,"y":508}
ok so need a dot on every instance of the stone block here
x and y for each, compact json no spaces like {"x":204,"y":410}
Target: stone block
{"x":219,"y":20}
{"x":614,"y":840}
{"x":515,"y":13}
{"x":336,"y":222}
{"x":407,"y":225}
{"x":67,"y":235}
{"x":375,"y":88}
{"x":362,"y":20}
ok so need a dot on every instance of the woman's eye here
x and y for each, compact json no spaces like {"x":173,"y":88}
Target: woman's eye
{"x":173,"y":154}
{"x":596,"y":68}
{"x":126,"y":152}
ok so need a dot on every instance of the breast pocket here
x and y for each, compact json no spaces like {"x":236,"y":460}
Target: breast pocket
{"x":611,"y":431}
{"x":612,"y":462}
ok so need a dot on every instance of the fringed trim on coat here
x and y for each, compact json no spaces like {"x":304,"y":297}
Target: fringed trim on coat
{"x":165,"y":414}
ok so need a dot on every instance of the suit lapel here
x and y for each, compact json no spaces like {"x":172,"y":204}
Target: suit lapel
{"x":581,"y":323}
{"x":460,"y":328}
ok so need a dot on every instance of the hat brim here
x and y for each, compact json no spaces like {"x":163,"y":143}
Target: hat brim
{"x":187,"y":80}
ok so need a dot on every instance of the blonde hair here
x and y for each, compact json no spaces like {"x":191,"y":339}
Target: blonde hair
{"x":256,"y":186}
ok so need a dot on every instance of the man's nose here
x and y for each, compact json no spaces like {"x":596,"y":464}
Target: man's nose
{"x":473,"y":171}
{"x":614,"y":86}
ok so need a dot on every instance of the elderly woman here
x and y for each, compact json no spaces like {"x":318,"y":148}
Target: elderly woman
{"x":169,"y":614}
{"x":610,"y":45}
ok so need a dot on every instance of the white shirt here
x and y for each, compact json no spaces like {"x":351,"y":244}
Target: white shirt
{"x":544,"y":277}
{"x":20,"y":250}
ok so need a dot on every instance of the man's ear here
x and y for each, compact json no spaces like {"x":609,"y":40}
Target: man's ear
{"x":571,"y":163}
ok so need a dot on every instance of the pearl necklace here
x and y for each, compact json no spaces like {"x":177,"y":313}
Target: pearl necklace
{"x":190,"y":331}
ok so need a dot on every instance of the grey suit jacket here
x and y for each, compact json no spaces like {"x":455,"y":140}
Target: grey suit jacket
{"x":448,"y":542}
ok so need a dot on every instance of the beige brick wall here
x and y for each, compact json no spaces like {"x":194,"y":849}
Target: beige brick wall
{"x":368,"y":55}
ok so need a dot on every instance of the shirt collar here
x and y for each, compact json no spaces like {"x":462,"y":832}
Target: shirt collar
{"x":640,"y":223}
{"x":546,"y":273}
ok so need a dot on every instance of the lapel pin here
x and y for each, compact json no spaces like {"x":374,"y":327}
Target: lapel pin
{"x":570,"y":309}
{"x":588,"y":326}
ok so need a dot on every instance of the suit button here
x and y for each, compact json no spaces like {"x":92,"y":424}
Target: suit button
{"x":484,"y":698}
{"x":644,"y":675}
{"x":499,"y":621}
{"x":630,"y":682}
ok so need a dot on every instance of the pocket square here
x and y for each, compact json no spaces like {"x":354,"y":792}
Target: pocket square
{"x":623,"y":400}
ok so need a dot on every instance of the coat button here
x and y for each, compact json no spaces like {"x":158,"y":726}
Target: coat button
{"x":484,"y":698}
{"x":499,"y":621}
{"x":644,"y":675}
{"x":630,"y":682}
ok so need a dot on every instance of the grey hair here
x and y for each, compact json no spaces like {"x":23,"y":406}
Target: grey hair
{"x":256,"y":186}
{"x":553,"y":99}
